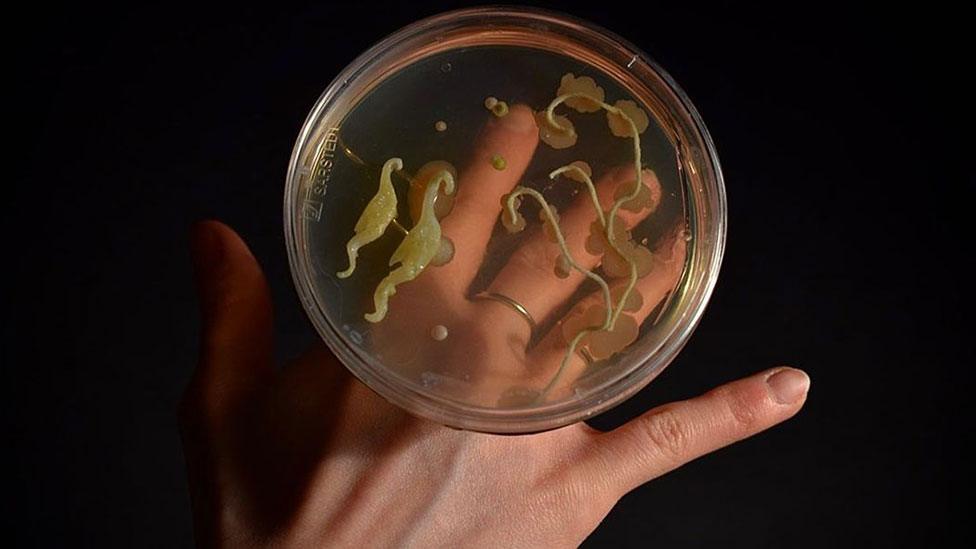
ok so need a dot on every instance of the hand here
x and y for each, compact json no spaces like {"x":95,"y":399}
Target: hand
{"x":308,"y":456}
{"x":493,"y":340}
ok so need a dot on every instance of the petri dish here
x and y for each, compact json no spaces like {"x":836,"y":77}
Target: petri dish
{"x":467,"y":230}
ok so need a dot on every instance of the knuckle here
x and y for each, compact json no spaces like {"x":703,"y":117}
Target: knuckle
{"x":570,"y":507}
{"x":740,"y":408}
{"x":532,"y":258}
{"x":667,"y":433}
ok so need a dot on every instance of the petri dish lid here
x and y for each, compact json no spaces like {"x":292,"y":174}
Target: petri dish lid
{"x":466,"y":342}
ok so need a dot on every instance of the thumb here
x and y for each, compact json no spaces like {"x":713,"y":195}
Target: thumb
{"x":236,"y":311}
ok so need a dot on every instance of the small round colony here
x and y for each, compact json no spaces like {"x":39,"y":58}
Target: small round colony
{"x":438,"y":333}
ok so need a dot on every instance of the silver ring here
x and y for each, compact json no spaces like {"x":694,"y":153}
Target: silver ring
{"x":512,"y":304}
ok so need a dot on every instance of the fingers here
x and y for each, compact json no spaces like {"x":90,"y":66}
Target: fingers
{"x":236,"y":344}
{"x":669,"y":436}
{"x":529,"y":278}
{"x":512,"y":137}
{"x":668,"y":265}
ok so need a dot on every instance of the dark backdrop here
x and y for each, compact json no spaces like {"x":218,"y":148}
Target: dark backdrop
{"x":833,"y":124}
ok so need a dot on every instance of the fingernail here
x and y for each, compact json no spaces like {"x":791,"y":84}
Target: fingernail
{"x":788,"y":385}
{"x":519,"y":119}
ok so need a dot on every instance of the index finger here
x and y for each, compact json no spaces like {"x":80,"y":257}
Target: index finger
{"x":671,"y":435}
{"x":512,"y":139}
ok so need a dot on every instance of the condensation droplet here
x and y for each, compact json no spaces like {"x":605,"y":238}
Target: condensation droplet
{"x":446,"y":67}
{"x":429,"y":379}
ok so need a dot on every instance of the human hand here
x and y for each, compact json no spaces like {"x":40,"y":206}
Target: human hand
{"x":309,"y":456}
{"x":493,"y":349}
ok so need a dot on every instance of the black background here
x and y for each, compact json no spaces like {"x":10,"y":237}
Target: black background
{"x":834,"y":125}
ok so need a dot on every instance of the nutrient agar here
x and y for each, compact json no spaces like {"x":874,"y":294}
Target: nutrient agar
{"x":403,"y":255}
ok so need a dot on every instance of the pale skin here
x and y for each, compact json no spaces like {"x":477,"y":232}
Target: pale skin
{"x":305,"y":455}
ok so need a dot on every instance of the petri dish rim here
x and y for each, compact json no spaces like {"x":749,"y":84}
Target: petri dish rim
{"x":637,"y":72}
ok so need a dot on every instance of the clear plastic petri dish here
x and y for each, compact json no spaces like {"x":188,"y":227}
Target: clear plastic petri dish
{"x":468,"y":230}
